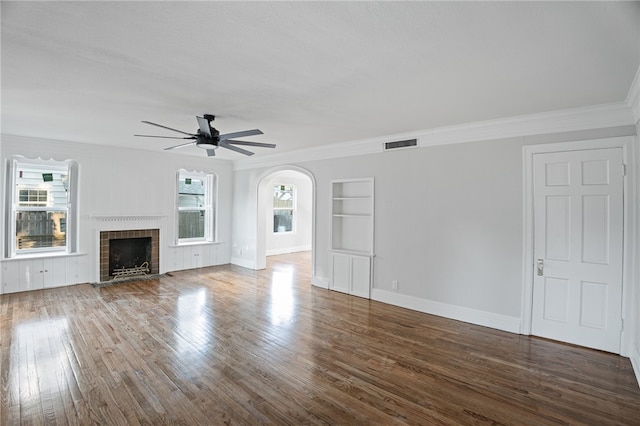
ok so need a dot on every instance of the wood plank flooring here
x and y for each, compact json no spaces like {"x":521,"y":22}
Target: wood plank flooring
{"x":230,"y":346}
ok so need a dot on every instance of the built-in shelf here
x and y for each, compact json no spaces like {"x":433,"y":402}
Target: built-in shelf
{"x":352,"y":236}
{"x":353,"y":252}
{"x":352,"y":216}
{"x":351,"y":198}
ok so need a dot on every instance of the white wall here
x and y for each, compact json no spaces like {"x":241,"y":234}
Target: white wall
{"x":448,"y":224}
{"x":118,"y":182}
{"x":300,"y":238}
{"x":245,"y":220}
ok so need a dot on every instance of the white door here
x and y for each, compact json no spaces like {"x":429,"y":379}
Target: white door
{"x":578,"y":229}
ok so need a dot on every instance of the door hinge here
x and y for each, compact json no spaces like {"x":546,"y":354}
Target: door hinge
{"x":624,"y":169}
{"x":621,"y":324}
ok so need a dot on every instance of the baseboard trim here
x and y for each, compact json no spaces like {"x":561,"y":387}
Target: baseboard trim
{"x":287,"y":250}
{"x":320,"y":282}
{"x":245,"y":263}
{"x":635,"y":361}
{"x":459,"y":313}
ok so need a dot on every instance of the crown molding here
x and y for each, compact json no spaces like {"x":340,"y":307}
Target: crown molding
{"x":567,"y":120}
{"x":633,"y":97}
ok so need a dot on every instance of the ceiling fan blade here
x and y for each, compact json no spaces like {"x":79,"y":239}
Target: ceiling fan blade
{"x":234,"y":148}
{"x":203,"y":123}
{"x":182,"y":145}
{"x":240,"y":134}
{"x":168,"y":128}
{"x":166,"y":137}
{"x":211,"y":152}
{"x":263,"y":145}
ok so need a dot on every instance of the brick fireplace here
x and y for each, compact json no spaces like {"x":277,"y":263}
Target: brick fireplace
{"x":106,"y":249}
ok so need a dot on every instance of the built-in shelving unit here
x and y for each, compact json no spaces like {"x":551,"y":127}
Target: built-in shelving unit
{"x":352,"y":216}
{"x":352,"y":236}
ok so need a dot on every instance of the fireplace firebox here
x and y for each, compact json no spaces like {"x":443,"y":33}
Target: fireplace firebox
{"x":129,"y":253}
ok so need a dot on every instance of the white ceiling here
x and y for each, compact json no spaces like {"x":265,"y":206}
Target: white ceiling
{"x":305,"y":73}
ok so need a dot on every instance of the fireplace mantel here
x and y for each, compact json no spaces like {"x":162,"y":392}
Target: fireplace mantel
{"x":127,"y":217}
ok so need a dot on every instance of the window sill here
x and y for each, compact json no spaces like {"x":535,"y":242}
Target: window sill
{"x":43,"y":255}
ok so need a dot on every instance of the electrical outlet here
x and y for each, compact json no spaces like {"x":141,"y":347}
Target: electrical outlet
{"x":394,"y":284}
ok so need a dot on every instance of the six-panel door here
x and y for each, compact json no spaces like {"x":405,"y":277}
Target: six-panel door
{"x":578,"y":230}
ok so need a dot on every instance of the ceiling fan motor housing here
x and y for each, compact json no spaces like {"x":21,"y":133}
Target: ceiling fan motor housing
{"x":205,"y":142}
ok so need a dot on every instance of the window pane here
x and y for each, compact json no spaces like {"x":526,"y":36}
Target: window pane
{"x":40,"y":229}
{"x":34,"y":191}
{"x":283,"y":197}
{"x":191,"y":224}
{"x":190,"y":192}
{"x":195,"y":201}
{"x":32,"y":197}
{"x":282,"y":220}
{"x":190,"y":200}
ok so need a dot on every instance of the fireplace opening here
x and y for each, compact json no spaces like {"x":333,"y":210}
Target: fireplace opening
{"x":128,"y":253}
{"x":129,"y":256}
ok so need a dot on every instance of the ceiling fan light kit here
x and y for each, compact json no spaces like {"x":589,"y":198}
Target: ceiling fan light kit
{"x":210,"y":139}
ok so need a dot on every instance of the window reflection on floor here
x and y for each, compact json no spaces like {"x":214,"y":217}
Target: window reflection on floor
{"x":282,"y":303}
{"x":193,"y":322}
{"x":43,"y":358}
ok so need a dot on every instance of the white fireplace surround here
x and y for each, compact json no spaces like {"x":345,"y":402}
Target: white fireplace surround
{"x":126,"y":223}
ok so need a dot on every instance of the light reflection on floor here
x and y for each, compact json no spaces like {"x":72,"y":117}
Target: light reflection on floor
{"x":193,"y":322}
{"x":282,"y":303}
{"x":43,"y":340}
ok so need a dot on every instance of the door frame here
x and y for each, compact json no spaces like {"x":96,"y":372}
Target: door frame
{"x":261,"y":208}
{"x":629,"y":227}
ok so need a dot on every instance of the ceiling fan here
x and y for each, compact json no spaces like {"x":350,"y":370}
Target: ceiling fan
{"x":206,"y":137}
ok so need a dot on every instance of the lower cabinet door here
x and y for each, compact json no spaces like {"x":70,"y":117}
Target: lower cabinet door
{"x":351,"y":274}
{"x":361,"y":276}
{"x":341,"y":272}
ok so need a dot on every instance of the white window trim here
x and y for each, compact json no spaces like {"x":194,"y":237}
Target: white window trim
{"x":211,"y":207}
{"x":12,"y":206}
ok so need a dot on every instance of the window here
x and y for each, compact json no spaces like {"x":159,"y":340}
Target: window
{"x":195,"y":204}
{"x":33,"y":197}
{"x":283,"y":208}
{"x":41,"y":196}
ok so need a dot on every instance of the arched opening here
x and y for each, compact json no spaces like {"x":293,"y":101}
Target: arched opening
{"x":285,"y":227}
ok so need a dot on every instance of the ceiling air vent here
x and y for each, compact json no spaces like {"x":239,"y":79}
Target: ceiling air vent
{"x":409,"y":143}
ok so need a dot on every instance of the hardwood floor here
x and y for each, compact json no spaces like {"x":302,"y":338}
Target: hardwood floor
{"x":226,"y":345}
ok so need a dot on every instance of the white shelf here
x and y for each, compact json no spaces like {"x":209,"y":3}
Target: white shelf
{"x":352,"y":236}
{"x":352,"y":216}
{"x":352,"y":252}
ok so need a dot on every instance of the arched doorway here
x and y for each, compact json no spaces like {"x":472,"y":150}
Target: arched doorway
{"x":291,"y":235}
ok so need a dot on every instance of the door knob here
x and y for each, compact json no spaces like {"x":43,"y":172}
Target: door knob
{"x":540,"y":267}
